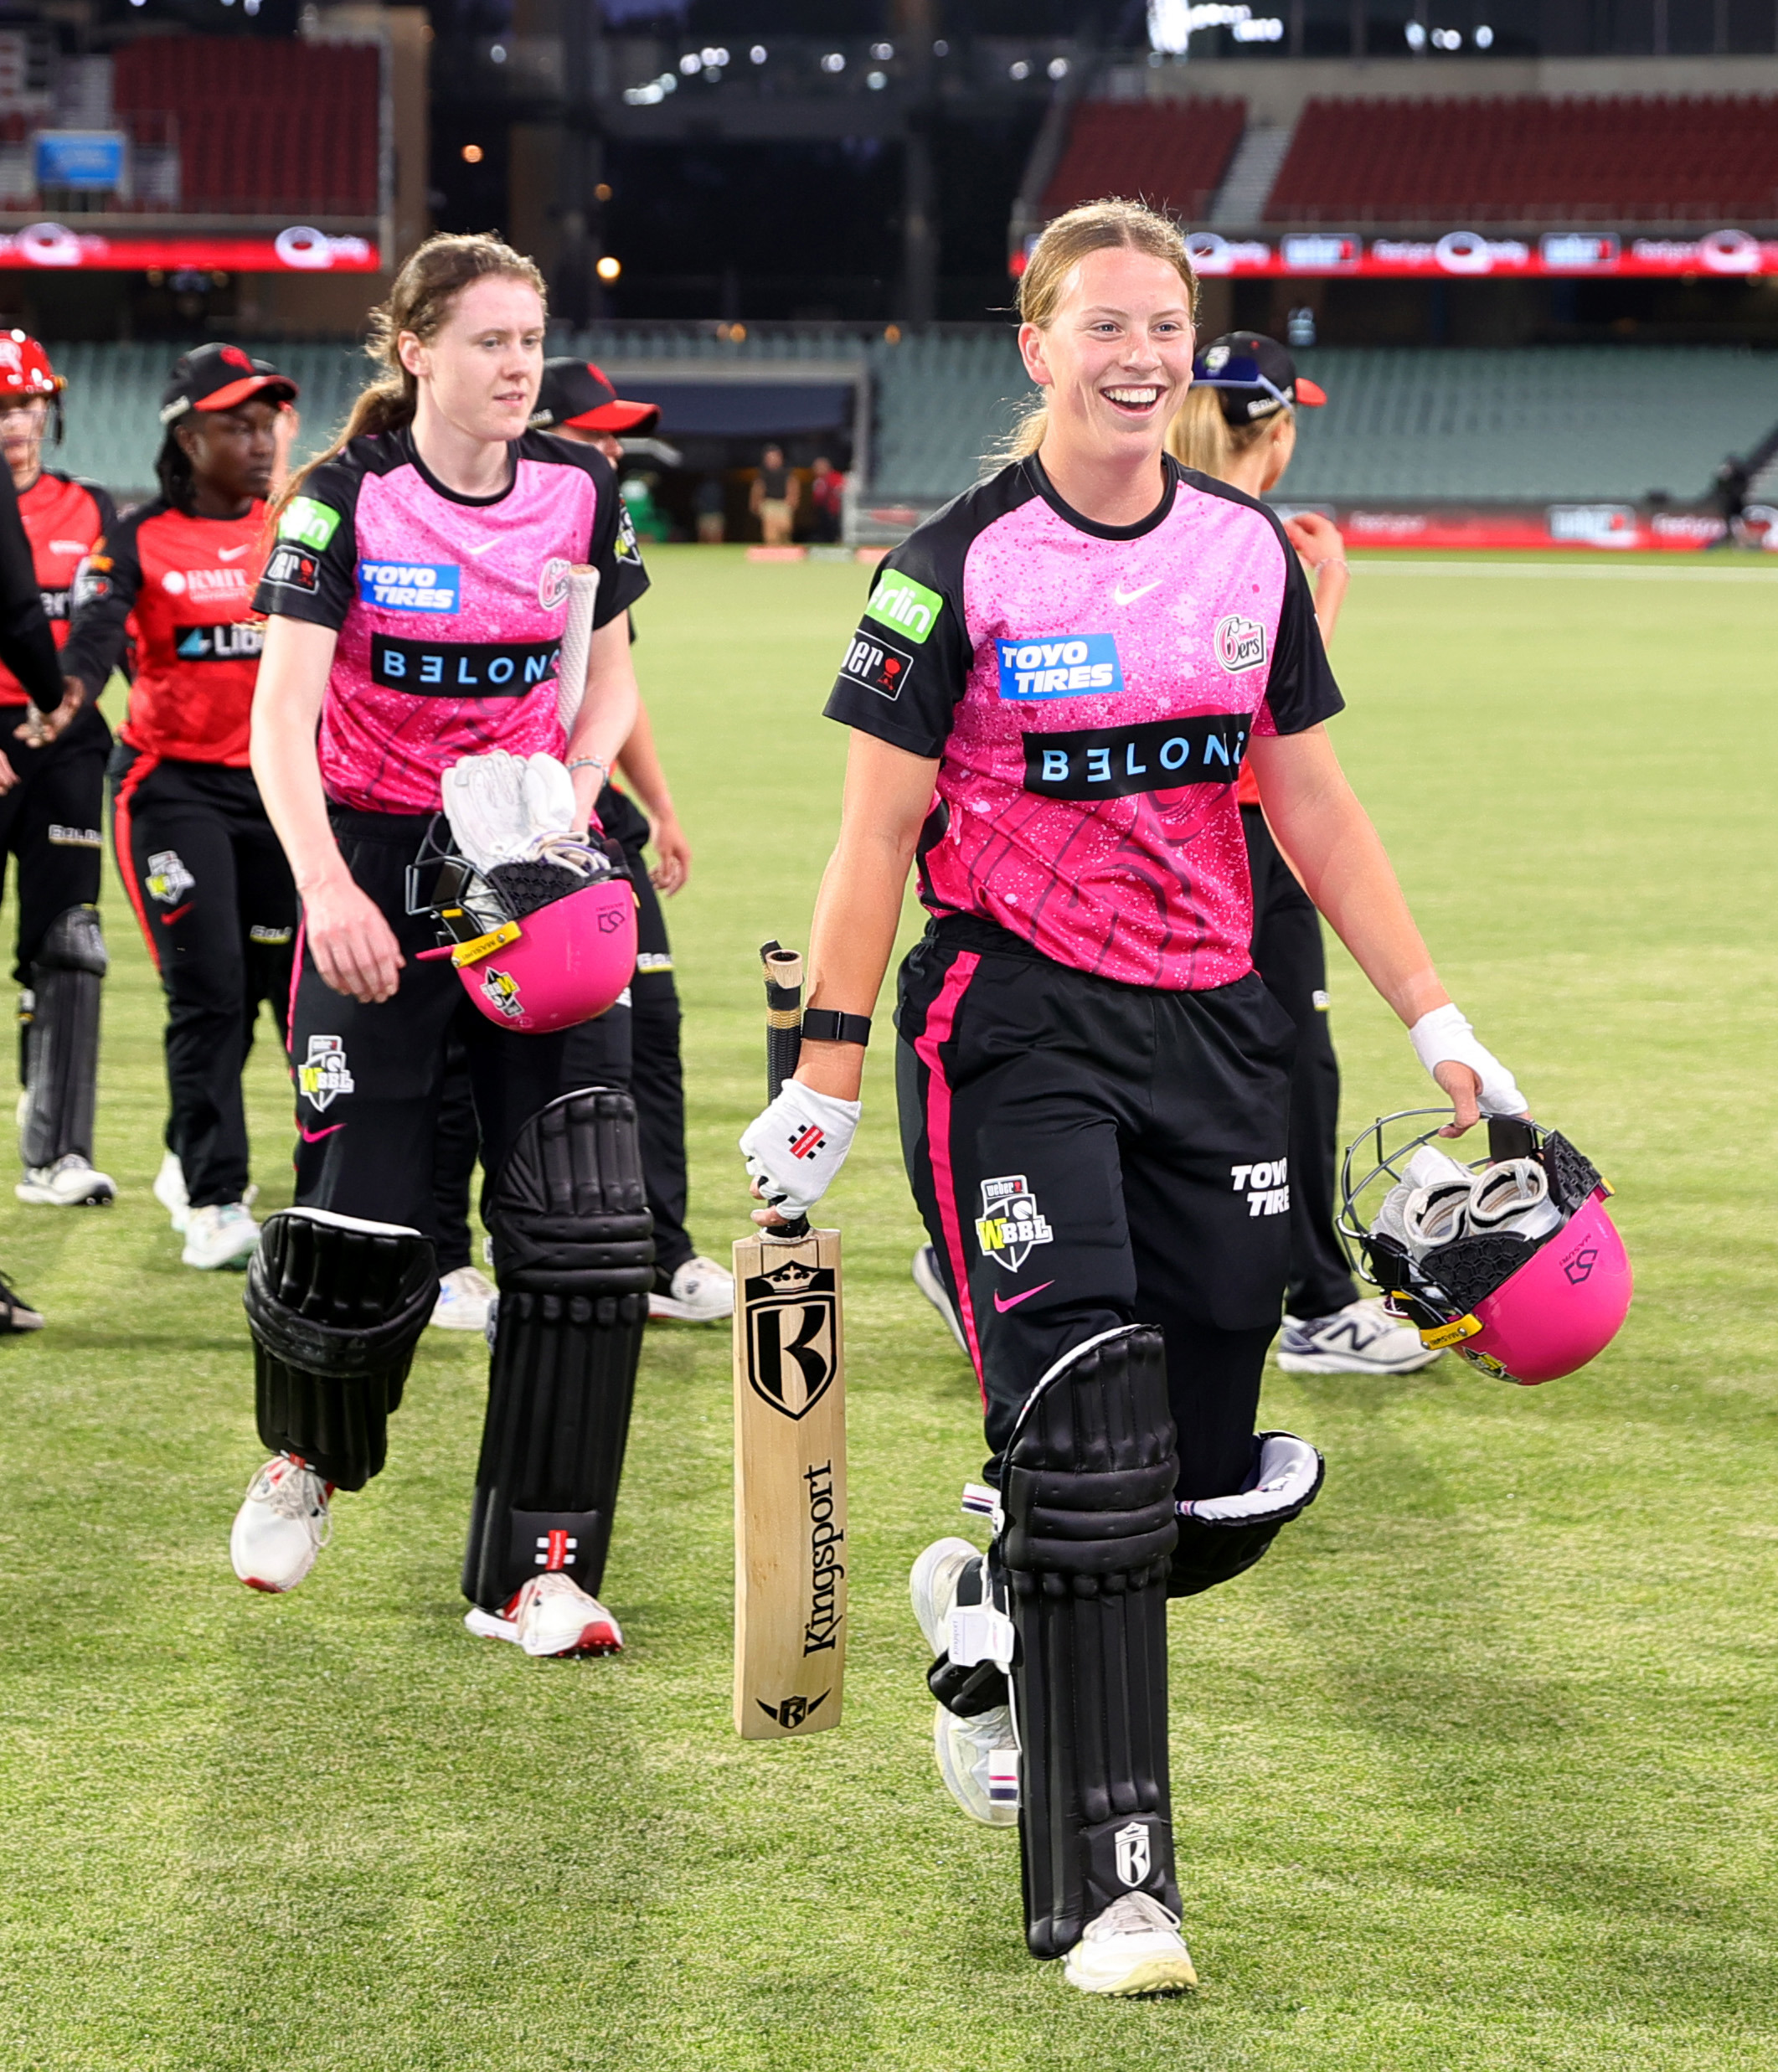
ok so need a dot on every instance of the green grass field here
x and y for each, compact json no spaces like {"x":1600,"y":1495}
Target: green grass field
{"x":1475,"y":1770}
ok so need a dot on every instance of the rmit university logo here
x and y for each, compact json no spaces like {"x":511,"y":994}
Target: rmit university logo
{"x":1011,"y":1222}
{"x":1134,"y":1856}
{"x":792,"y":1712}
{"x":1579,"y":1270}
{"x":792,"y":1336}
{"x":1240,"y":643}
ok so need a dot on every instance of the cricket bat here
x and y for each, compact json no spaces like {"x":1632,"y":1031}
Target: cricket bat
{"x":790,"y":1447}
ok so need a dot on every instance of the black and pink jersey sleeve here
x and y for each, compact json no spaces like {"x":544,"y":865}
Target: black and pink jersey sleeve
{"x":1088,"y":693}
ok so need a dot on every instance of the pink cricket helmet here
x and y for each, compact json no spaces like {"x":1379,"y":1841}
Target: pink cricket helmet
{"x":560,"y":965}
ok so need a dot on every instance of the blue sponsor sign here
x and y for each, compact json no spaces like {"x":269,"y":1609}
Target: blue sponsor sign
{"x":408,"y":586}
{"x":90,"y":160}
{"x":1060,"y":665}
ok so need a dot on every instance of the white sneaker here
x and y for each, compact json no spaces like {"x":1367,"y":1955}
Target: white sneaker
{"x":281,"y":1526}
{"x":223,"y":1235}
{"x":169,"y":1190}
{"x":551,"y":1615}
{"x":464,"y":1294}
{"x":71,"y":1183}
{"x":1363,"y":1338}
{"x":702,"y":1292}
{"x":1134,"y":1946}
{"x":977,"y":1758}
{"x":932,"y":1285}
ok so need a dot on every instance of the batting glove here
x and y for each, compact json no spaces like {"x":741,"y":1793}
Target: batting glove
{"x":795,"y":1149}
{"x":1445,"y":1037}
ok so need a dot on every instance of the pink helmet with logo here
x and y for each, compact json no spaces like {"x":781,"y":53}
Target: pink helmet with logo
{"x":539,"y":947}
{"x":1527,"y":1279}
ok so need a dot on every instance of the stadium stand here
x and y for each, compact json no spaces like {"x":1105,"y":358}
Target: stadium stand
{"x":1172,"y":154}
{"x":261,"y":128}
{"x":1529,"y":160}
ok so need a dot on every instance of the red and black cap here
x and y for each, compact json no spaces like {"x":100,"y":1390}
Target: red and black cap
{"x":1253,"y":376}
{"x":574,"y":392}
{"x":218,"y":378}
{"x":24,"y":367}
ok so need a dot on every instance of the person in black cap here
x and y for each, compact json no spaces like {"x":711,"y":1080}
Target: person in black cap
{"x":1239,"y":424}
{"x":199,"y":861}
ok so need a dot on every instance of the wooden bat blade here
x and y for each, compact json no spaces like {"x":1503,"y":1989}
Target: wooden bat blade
{"x":790,"y":1486}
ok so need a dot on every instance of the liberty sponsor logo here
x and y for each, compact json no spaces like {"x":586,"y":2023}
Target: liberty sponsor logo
{"x":325,"y":1075}
{"x":409,"y":585}
{"x":1011,"y":1222}
{"x":296,"y":567}
{"x":311,"y":523}
{"x":552,"y":582}
{"x":462,"y":669}
{"x":500,"y":989}
{"x":1267,"y":1186}
{"x":1156,"y":755}
{"x":168,"y":880}
{"x":792,"y":1349}
{"x":827,"y":1571}
{"x":900,"y":602}
{"x":1135,"y":1856}
{"x":878,"y":664}
{"x":219,"y":643}
{"x":1240,"y":643}
{"x":1065,"y":666}
{"x":61,"y":837}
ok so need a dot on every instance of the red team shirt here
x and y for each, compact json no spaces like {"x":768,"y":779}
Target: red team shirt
{"x":64,"y":520}
{"x":1088,"y":692}
{"x":182,"y":588}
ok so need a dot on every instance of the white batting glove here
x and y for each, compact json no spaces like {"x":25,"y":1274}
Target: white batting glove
{"x":795,"y":1149}
{"x":1445,"y":1037}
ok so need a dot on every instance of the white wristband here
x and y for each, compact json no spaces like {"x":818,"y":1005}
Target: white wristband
{"x":1445,"y":1037}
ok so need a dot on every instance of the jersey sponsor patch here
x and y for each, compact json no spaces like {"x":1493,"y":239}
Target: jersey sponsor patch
{"x":226,"y":642}
{"x":627,"y":548}
{"x":311,"y":523}
{"x":262,"y":932}
{"x":551,"y":583}
{"x":462,"y":669}
{"x":294,"y":565}
{"x":1156,"y":755}
{"x":55,"y":604}
{"x":224,"y":586}
{"x":1240,"y":643}
{"x":1073,"y":665}
{"x":324,"y":1075}
{"x":61,"y":837}
{"x":1011,"y":1222}
{"x":899,"y":601}
{"x":408,"y":586}
{"x":878,"y":664}
{"x":167,"y":880}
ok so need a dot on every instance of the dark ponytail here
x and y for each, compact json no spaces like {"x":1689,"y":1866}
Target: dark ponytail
{"x":173,"y":471}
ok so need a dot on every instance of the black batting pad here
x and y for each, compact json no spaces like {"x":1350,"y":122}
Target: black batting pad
{"x":61,"y":1059}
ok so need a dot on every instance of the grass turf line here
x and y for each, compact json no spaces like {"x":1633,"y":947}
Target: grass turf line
{"x":1474,"y":1771}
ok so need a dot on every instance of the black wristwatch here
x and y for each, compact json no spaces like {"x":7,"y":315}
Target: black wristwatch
{"x":824,"y":1025}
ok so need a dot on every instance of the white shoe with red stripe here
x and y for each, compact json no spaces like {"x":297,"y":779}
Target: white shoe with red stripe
{"x":551,"y":1615}
{"x":281,"y":1526}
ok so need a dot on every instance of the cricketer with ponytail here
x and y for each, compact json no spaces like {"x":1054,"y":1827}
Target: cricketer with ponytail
{"x":416,"y":597}
{"x":1050,"y":694}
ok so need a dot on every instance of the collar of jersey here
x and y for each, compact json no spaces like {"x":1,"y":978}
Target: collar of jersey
{"x":1066,"y":511}
{"x":456,"y":496}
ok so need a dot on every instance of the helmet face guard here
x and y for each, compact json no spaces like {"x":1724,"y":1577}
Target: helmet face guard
{"x":539,"y":947}
{"x":1521,"y":1309}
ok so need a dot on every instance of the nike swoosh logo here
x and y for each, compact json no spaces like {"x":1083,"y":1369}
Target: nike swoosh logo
{"x":1130,"y":596}
{"x":473,"y":551}
{"x":314,"y":1136}
{"x":229,"y":553}
{"x":1024,"y":1295}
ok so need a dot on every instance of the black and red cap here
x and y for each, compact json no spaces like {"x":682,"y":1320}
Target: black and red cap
{"x":1253,"y":376}
{"x":24,"y":367}
{"x":218,"y":378}
{"x":574,"y":392}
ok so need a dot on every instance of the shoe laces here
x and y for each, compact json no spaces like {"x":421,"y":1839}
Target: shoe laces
{"x":1136,"y":1913}
{"x":472,"y":1282}
{"x":299,"y":1492}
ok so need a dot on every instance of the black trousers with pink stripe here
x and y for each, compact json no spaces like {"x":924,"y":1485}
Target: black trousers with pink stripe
{"x":1087,"y":1154}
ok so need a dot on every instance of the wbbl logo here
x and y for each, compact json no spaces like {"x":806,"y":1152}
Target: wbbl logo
{"x":792,"y":1336}
{"x":1011,"y":1222}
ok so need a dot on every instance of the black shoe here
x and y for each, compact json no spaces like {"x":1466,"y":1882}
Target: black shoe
{"x":15,"y":1314}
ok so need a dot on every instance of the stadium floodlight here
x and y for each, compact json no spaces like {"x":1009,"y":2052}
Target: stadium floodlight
{"x":1484,"y":37}
{"x":1415,"y":33}
{"x":942,"y":49}
{"x":876,"y":82}
{"x":1171,"y":24}
{"x":882,"y":51}
{"x":497,"y":52}
{"x":1058,"y":68}
{"x":1018,"y":70}
{"x":1265,"y":29}
{"x":758,"y":53}
{"x":834,"y":61}
{"x":691,"y":63}
{"x":608,"y":268}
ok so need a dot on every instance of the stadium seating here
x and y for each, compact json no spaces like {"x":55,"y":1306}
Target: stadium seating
{"x":262,"y":128}
{"x":1529,"y":160}
{"x":1172,"y":153}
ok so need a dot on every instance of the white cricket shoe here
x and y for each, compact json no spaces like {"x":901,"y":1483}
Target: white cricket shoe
{"x":1134,"y":1946}
{"x":169,"y":1190}
{"x":71,"y":1183}
{"x":977,"y":1758}
{"x":701,"y":1292}
{"x":281,"y":1526}
{"x":221,"y":1234}
{"x":1363,"y":1338}
{"x":551,"y":1615}
{"x":931,"y":1283}
{"x":464,"y":1296}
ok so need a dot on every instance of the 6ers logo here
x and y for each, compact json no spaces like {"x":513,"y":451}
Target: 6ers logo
{"x":792,"y":1336}
{"x":552,"y":585}
{"x":1240,"y":643}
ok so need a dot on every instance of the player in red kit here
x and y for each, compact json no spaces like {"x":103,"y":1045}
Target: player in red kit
{"x":203,"y":869}
{"x":51,"y":808}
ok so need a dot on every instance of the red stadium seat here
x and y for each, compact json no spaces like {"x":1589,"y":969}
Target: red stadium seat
{"x":1173,"y":153}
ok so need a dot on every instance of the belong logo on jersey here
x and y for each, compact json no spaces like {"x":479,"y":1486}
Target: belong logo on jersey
{"x":1065,"y":666}
{"x":462,"y":669}
{"x":878,"y":665}
{"x":1240,"y":643}
{"x":408,"y":586}
{"x":219,"y":643}
{"x":1154,"y":756}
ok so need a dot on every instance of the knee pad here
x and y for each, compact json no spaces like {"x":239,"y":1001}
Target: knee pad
{"x":337,"y":1307}
{"x":1089,"y":1527}
{"x":573,"y":1253}
{"x":1219,"y":1537}
{"x":58,"y":1031}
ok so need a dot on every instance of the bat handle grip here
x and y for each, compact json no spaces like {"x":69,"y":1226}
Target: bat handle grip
{"x":790,"y":1233}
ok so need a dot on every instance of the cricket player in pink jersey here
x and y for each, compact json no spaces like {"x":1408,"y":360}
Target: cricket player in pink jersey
{"x":1051,"y":691}
{"x":417,"y":596}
